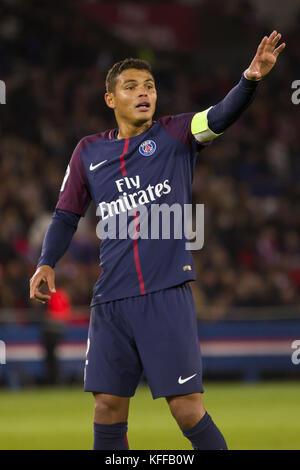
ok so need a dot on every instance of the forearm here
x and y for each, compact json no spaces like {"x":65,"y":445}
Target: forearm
{"x":58,"y":237}
{"x":227,"y":111}
{"x":212,"y":122}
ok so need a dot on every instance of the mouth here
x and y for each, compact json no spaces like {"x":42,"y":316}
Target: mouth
{"x":143,"y":106}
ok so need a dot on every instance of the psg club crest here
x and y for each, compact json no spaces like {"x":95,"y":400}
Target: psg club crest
{"x":147,"y":148}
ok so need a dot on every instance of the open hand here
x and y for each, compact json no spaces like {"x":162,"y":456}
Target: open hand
{"x":265,"y":57}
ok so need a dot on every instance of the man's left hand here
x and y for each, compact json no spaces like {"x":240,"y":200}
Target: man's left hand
{"x":265,"y":57}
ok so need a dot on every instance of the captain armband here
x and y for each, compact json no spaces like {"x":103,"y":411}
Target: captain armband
{"x":200,"y":129}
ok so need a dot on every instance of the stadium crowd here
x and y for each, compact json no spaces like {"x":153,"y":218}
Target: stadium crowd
{"x":54,"y":64}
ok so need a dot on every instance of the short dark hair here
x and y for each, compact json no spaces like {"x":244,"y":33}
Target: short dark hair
{"x":119,"y":67}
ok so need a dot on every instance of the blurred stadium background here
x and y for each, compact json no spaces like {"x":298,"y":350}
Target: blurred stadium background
{"x":53,"y":60}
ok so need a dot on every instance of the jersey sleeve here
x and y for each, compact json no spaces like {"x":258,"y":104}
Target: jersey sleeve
{"x":74,"y":193}
{"x":200,"y":128}
{"x":212,"y":122}
{"x":179,"y":127}
{"x":182,"y":128}
{"x":205,"y":126}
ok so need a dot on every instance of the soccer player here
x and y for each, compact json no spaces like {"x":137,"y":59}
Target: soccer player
{"x":142,"y":312}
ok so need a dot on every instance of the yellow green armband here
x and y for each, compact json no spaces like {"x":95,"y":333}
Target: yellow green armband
{"x":200,"y":129}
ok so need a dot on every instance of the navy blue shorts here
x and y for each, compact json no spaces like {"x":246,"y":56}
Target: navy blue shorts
{"x":153,"y":334}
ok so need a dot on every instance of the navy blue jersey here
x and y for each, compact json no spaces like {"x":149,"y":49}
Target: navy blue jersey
{"x":153,"y":168}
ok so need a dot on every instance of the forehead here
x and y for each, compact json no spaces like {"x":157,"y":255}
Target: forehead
{"x":134,"y":74}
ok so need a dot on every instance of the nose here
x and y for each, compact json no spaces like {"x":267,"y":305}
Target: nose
{"x":143,"y":91}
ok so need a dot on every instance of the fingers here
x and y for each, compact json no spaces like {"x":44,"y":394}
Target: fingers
{"x":34,"y":281}
{"x":269,"y":43}
{"x":37,"y":281}
{"x":41,"y":297}
{"x":272,"y":37}
{"x":36,"y":294}
{"x":262,"y":45}
{"x":276,"y":39}
{"x":279,"y":49}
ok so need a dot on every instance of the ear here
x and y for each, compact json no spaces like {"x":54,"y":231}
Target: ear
{"x":110,"y":100}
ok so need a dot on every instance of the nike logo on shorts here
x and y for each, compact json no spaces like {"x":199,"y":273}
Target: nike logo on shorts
{"x":93,"y":167}
{"x":182,"y":381}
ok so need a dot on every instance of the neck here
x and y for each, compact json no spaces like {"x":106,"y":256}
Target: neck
{"x":128,"y":130}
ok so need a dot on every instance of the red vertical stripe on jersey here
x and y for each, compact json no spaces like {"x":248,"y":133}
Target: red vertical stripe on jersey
{"x":123,"y":169}
{"x":136,"y":226}
{"x":136,"y":255}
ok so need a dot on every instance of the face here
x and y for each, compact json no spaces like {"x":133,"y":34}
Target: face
{"x":134,"y":97}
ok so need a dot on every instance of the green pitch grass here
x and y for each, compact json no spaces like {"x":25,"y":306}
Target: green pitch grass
{"x":258,"y":416}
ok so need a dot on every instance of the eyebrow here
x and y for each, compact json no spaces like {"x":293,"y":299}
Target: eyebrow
{"x":131,"y":80}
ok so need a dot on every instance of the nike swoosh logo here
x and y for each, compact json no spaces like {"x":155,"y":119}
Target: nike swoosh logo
{"x":93,"y":167}
{"x":182,"y":381}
